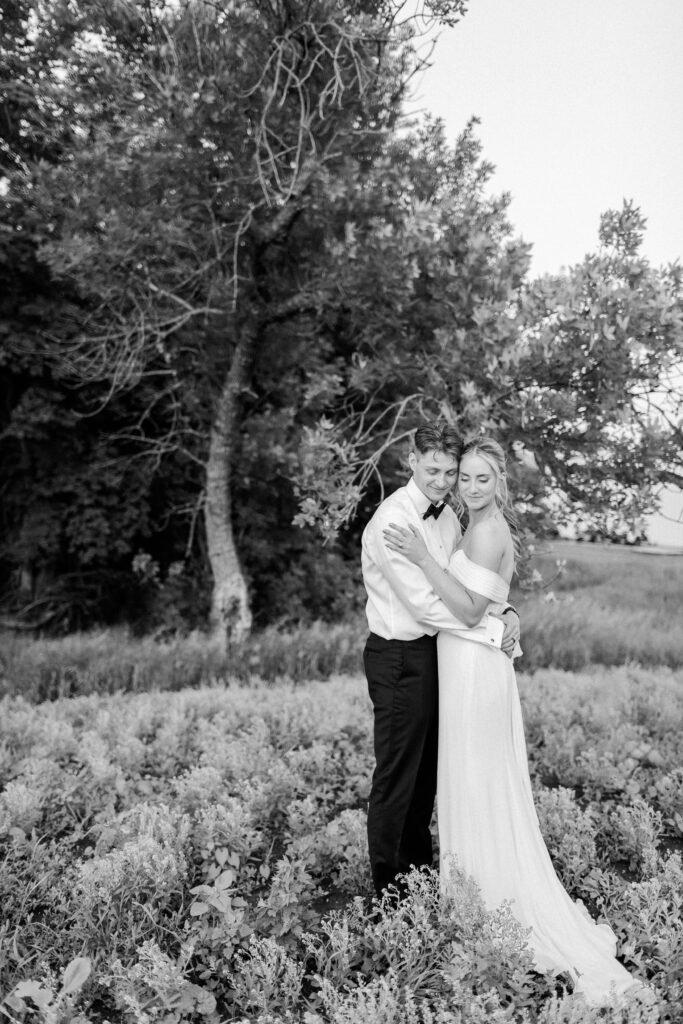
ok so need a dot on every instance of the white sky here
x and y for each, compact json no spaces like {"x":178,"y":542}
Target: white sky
{"x":581,"y":106}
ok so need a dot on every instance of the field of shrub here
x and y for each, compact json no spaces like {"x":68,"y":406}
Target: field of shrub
{"x":201,"y":855}
{"x":182,"y":838}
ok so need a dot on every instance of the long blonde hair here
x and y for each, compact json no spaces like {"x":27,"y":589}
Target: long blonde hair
{"x":492,"y":452}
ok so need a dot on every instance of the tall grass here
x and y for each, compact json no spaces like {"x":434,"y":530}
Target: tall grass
{"x":572,"y":636}
{"x":110,"y":661}
{"x":610,"y":606}
{"x":618,"y":577}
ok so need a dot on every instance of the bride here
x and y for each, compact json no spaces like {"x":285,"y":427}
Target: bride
{"x":486,"y":815}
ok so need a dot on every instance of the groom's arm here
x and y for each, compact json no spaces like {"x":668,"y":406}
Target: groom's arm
{"x":407,"y":581}
{"x":509,"y":616}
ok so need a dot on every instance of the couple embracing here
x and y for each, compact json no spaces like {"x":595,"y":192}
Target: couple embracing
{"x":447,"y":716}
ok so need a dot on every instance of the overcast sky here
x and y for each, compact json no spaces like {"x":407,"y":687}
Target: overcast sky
{"x":581,"y":106}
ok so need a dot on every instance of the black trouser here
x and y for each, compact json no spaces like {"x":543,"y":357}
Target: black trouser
{"x":404,"y":689}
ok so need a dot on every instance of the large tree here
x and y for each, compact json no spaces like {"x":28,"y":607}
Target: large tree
{"x":210,"y":144}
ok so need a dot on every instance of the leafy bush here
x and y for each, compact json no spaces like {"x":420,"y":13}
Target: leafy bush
{"x":205,"y":851}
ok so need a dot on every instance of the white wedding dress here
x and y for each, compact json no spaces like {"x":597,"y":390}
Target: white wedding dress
{"x":487,"y":821}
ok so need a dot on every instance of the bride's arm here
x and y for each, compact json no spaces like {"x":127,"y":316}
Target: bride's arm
{"x":465,"y":604}
{"x":485,"y":549}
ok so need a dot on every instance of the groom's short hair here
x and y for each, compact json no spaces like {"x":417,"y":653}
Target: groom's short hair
{"x":438,"y":437}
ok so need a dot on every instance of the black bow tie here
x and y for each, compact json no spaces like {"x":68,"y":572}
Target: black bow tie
{"x":434,"y":510}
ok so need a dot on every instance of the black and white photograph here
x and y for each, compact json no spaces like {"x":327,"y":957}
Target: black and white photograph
{"x":341,"y":512}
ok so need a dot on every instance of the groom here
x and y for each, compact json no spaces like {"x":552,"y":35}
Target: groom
{"x":404,"y":616}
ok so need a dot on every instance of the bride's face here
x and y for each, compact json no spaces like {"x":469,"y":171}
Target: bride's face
{"x":476,"y":482}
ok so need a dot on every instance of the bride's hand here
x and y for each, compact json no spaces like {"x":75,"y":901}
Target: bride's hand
{"x":406,"y":542}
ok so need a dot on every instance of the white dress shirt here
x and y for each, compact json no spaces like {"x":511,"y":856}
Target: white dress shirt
{"x":401,"y":603}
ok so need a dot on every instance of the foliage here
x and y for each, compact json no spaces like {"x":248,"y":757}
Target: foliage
{"x":609,"y":606}
{"x":599,"y":374}
{"x":233,"y":277}
{"x":48,"y":1001}
{"x":578,"y":374}
{"x":109,"y":661}
{"x":435,"y":281}
{"x":204,"y":853}
{"x":193,"y":217}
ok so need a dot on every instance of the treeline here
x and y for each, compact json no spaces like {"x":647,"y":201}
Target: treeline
{"x":233,"y":277}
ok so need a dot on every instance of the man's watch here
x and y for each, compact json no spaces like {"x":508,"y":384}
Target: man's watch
{"x":510,"y":608}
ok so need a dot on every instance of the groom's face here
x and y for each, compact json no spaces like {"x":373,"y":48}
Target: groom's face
{"x":434,"y":473}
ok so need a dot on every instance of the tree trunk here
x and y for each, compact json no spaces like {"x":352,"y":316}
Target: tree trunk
{"x":230,"y":613}
{"x":26,"y":580}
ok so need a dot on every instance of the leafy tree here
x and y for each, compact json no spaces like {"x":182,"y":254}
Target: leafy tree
{"x":32,"y":129}
{"x":209,"y":141}
{"x":579,"y":374}
{"x":600,"y":366}
{"x":229,"y":285}
{"x":77,"y":493}
{"x":433,"y":285}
